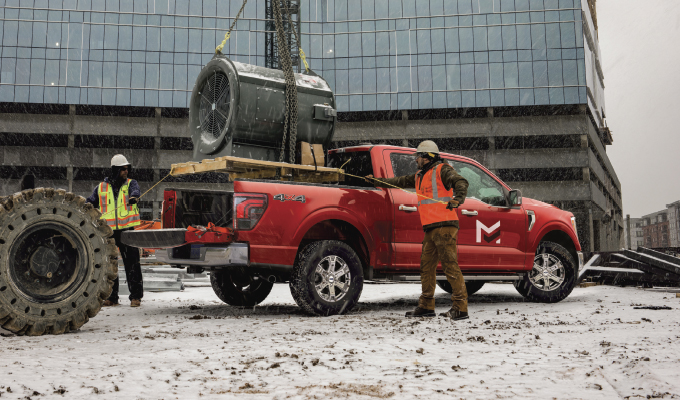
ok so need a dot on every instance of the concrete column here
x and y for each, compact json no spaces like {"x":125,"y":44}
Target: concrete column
{"x":491,"y":160}
{"x":156,"y":214}
{"x":628,"y":235}
{"x":584,"y":141}
{"x":71,"y":144}
{"x":489,"y":112}
{"x":586,"y":174}
{"x":591,"y":230}
{"x":404,"y":115}
{"x":69,"y":177}
{"x":156,"y":194}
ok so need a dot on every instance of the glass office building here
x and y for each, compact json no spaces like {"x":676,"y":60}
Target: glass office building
{"x":494,"y":80}
{"x":376,"y":54}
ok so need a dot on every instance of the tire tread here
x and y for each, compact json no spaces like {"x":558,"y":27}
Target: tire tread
{"x":12,"y":317}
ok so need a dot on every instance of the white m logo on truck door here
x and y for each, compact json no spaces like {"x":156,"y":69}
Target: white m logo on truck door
{"x":489,"y":230}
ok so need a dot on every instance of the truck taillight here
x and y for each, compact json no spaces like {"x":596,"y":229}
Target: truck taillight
{"x":248,"y":209}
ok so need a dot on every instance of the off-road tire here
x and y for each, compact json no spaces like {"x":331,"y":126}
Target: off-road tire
{"x":302,"y":282}
{"x":531,"y":292}
{"x":471,"y":286}
{"x":239,"y":289}
{"x":57,"y":263}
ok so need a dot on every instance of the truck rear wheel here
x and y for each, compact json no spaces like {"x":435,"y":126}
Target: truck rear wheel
{"x":240,"y":289}
{"x":57,"y":263}
{"x":471,"y":286}
{"x":553,"y":276}
{"x":327,"y":278}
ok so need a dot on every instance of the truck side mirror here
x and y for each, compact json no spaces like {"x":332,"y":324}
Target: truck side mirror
{"x":515,"y":198}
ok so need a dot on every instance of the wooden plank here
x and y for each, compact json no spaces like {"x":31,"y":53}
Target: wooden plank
{"x":265,"y":173}
{"x":244,"y":168}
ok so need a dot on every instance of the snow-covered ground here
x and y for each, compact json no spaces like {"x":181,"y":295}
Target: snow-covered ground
{"x":186,"y":345}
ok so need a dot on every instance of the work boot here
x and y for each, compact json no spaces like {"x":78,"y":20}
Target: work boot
{"x":420,"y":312}
{"x":109,"y":303}
{"x":135,"y":303}
{"x":455,"y":315}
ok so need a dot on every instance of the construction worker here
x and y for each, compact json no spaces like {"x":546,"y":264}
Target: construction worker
{"x":116,"y":197}
{"x":440,"y":191}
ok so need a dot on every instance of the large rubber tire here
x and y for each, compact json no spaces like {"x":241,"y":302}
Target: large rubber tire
{"x":310,"y":284}
{"x":57,"y":263}
{"x":560,"y":279}
{"x":471,"y":286}
{"x":239,"y":289}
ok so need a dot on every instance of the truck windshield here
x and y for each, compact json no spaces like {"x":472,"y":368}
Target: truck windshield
{"x":359,"y":164}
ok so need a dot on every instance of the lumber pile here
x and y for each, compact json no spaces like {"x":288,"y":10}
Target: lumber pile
{"x":245,"y":168}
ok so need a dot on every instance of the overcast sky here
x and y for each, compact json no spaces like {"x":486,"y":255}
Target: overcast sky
{"x":640,"y":45}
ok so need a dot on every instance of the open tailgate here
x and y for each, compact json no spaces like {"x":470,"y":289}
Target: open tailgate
{"x":167,"y":238}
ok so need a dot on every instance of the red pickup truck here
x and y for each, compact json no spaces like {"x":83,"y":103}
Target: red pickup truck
{"x":325,"y":239}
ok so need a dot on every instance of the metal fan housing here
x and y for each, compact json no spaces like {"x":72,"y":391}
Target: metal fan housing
{"x":238,"y":109}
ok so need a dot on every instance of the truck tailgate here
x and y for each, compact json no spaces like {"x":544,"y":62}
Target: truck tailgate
{"x":154,"y":238}
{"x":167,"y":238}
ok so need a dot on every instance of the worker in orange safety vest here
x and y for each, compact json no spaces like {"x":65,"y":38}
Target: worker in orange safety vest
{"x":440,"y":191}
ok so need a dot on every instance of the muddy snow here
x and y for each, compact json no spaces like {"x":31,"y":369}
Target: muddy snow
{"x":595,"y":344}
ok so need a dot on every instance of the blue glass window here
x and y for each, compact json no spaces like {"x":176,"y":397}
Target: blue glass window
{"x":509,"y":37}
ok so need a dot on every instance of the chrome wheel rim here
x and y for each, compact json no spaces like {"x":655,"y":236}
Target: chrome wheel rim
{"x":332,"y":278}
{"x":548,"y":273}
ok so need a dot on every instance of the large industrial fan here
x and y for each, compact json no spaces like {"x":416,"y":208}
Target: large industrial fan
{"x":238,"y":110}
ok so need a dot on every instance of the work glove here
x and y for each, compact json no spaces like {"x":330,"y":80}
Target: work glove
{"x":132,"y":200}
{"x":452,"y":204}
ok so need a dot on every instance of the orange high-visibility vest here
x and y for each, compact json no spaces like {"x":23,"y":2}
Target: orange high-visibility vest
{"x":118,"y":215}
{"x":432,"y":187}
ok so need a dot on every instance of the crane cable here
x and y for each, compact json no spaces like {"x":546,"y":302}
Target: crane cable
{"x":218,"y":49}
{"x":291,"y":114}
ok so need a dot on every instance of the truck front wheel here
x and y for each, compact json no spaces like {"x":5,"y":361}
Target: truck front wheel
{"x":553,"y":276}
{"x":327,"y":278}
{"x":240,"y":289}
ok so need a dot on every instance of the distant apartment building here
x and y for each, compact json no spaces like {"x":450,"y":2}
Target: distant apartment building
{"x":635,"y":239}
{"x":655,"y":230}
{"x":674,"y":223}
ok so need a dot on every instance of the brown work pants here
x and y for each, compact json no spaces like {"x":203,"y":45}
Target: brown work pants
{"x":441,"y":244}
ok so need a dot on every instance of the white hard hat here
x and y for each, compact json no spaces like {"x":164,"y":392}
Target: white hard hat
{"x":427,"y":146}
{"x":119,"y":160}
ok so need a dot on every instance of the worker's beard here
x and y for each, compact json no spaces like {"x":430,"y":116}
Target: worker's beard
{"x":115,"y":176}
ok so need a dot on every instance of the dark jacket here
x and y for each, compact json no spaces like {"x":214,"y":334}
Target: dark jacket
{"x":133,"y":190}
{"x":450,"y":179}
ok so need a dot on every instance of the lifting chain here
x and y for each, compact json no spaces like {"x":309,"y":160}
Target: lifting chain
{"x":297,"y":38}
{"x":219,"y":48}
{"x":290,"y":120}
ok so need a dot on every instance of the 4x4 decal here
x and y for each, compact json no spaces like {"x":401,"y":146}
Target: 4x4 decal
{"x":289,"y":197}
{"x":489,"y":230}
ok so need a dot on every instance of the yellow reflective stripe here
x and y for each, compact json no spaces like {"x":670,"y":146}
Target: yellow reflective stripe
{"x":127,"y":219}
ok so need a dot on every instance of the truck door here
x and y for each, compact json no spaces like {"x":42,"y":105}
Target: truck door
{"x":408,"y":231}
{"x":492,"y":235}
